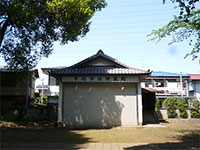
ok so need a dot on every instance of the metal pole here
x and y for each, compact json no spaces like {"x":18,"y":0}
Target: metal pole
{"x":181,"y":84}
{"x":27,"y":91}
{"x":42,"y":90}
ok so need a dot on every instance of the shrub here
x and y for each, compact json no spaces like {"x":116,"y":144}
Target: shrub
{"x":13,"y":113}
{"x":38,"y":100}
{"x":182,"y":104}
{"x":171,"y":105}
{"x":158,"y":113}
{"x":194,"y":110}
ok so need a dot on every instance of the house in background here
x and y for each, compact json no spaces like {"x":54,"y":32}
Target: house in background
{"x":15,"y":85}
{"x":99,"y":91}
{"x":167,"y":84}
{"x":43,"y":89}
{"x":194,"y":85}
{"x":51,"y":91}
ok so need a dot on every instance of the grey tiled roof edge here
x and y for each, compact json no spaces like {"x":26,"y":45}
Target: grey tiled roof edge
{"x":97,"y":70}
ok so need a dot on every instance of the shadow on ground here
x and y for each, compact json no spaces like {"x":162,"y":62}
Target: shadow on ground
{"x":41,"y":138}
{"x":189,"y":141}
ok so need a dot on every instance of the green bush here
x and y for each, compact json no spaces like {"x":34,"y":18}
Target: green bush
{"x":9,"y":118}
{"x":38,"y":100}
{"x":194,"y":110}
{"x":157,"y":106}
{"x":182,"y":104}
{"x":171,"y":106}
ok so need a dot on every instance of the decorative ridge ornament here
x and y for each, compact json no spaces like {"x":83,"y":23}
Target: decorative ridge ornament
{"x":100,"y":52}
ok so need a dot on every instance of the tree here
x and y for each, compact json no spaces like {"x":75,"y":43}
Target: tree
{"x":28,"y":29}
{"x":185,"y":26}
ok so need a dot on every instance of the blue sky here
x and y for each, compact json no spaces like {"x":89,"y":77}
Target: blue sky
{"x":120,"y":30}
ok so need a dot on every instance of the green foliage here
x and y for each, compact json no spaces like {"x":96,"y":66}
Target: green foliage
{"x":29,"y":28}
{"x":185,"y":26}
{"x":25,"y":119}
{"x":18,"y":114}
{"x":194,"y":110}
{"x":13,"y":113}
{"x":171,"y":105}
{"x":158,"y":103}
{"x":9,"y":118}
{"x":39,"y":99}
{"x":182,"y":104}
{"x":55,"y":96}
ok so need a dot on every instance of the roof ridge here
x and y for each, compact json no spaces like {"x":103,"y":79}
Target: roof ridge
{"x":102,"y":54}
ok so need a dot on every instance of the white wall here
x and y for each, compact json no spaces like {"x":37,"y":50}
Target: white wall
{"x":194,"y":88}
{"x":100,"y":104}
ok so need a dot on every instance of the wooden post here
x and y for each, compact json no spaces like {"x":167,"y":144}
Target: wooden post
{"x":140,"y":114}
{"x":60,"y":102}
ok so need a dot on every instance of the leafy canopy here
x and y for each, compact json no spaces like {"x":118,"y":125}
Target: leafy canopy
{"x":185,"y":26}
{"x":29,"y":28}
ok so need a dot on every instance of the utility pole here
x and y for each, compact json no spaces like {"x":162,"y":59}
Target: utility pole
{"x":27,"y":90}
{"x":42,"y":90}
{"x":181,"y":84}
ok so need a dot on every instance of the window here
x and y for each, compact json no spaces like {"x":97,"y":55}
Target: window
{"x":57,"y":82}
{"x":160,"y":83}
{"x":146,"y":84}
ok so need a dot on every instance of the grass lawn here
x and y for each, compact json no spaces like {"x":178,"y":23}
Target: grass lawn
{"x":177,"y":130}
{"x":174,"y":131}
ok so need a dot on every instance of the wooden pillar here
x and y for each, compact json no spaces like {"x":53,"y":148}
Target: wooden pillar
{"x":139,"y":98}
{"x":60,"y":102}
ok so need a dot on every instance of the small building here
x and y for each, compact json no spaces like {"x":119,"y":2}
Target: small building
{"x":15,"y":86}
{"x":99,"y":91}
{"x":194,"y":85}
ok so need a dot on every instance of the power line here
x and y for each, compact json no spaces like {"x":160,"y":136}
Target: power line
{"x":127,"y":27}
{"x":141,"y":11}
{"x":131,"y":15}
{"x":129,"y":21}
{"x":131,"y":5}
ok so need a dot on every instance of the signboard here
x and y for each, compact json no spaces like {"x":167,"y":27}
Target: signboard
{"x":99,"y":79}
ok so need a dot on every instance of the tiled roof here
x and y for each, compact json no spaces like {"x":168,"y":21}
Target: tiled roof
{"x":100,"y":53}
{"x":97,"y":70}
{"x":6,"y":69}
{"x":42,"y":86}
{"x":82,"y":68}
{"x":194,"y":76}
{"x":167,"y":74}
{"x":152,"y":90}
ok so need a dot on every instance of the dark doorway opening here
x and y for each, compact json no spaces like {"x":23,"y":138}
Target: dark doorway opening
{"x":148,"y":102}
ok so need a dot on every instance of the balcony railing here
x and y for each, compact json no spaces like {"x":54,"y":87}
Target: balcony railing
{"x":171,"y":91}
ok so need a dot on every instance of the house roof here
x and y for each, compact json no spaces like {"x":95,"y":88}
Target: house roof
{"x":84,"y":67}
{"x":6,"y":69}
{"x":194,"y":76}
{"x":99,"y":54}
{"x":152,"y":90}
{"x":42,"y":86}
{"x":167,"y":74}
